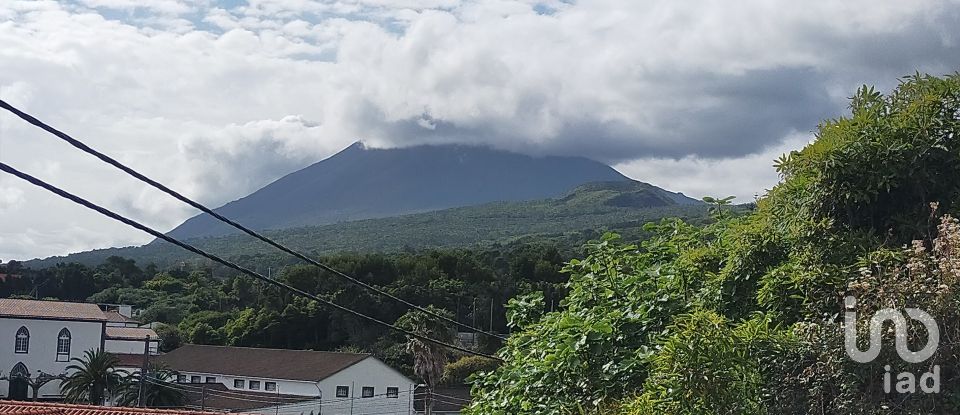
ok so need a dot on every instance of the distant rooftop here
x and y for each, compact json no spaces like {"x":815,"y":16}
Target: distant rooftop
{"x":130,"y":333}
{"x":305,"y":365}
{"x":57,"y":310}
{"x":114,"y":316}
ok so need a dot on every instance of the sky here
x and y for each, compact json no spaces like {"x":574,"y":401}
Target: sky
{"x":218,"y":98}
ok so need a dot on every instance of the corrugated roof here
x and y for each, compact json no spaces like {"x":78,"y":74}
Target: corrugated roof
{"x":59,"y":310}
{"x":130,"y":333}
{"x":48,"y":408}
{"x":303,"y":365}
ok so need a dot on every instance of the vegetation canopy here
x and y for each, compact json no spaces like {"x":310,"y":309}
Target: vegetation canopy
{"x":743,"y":316}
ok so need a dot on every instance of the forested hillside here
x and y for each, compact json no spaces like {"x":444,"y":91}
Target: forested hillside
{"x":745,"y":315}
{"x":582,"y":214}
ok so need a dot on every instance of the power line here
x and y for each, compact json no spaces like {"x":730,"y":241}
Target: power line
{"x":130,"y":222}
{"x":109,"y":160}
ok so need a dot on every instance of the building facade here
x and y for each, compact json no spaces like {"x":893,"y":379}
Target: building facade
{"x":41,"y":337}
{"x":291,"y":382}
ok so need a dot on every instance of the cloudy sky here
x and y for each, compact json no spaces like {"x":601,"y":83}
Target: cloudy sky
{"x":217,"y":99}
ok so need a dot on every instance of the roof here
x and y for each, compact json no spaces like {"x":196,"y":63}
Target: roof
{"x":56,"y":310}
{"x":130,"y":359}
{"x":114,"y":316}
{"x":445,"y":398}
{"x":216,"y":396}
{"x":304,"y":365}
{"x":130,"y":333}
{"x":49,"y":408}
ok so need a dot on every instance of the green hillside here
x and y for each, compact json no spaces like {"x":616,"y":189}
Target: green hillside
{"x":582,"y":214}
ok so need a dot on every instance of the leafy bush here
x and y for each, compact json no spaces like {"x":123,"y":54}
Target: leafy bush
{"x":743,"y":316}
{"x":459,"y":371}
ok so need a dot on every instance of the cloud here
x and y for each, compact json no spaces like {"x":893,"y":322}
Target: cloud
{"x":218,"y":98}
{"x":238,"y":159}
{"x":745,"y":177}
{"x":10,"y":198}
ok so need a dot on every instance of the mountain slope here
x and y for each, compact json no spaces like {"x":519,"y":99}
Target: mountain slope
{"x":361,"y":183}
{"x":622,"y":206}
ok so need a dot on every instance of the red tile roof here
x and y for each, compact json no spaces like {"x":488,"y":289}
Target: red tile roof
{"x":130,"y":333}
{"x":49,"y":408}
{"x":57,"y":310}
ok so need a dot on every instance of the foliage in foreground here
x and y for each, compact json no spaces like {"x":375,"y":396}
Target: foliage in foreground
{"x":744,"y":316}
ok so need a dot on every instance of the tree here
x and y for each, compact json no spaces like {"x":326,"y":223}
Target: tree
{"x":170,"y":337}
{"x":429,"y":358}
{"x":155,"y":391}
{"x":716,"y":210}
{"x":91,"y":377}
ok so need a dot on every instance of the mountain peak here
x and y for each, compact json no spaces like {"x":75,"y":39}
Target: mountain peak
{"x":361,"y":182}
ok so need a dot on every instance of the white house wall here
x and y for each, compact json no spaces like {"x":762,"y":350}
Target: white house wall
{"x":285,"y":387}
{"x":367,"y":372}
{"x":42,"y":353}
{"x":129,"y":346}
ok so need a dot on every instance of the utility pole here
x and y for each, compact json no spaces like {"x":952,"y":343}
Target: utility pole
{"x":491,"y":314}
{"x":143,"y":369}
{"x":474,"y":316}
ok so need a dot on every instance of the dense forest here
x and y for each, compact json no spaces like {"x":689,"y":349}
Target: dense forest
{"x":210,"y":306}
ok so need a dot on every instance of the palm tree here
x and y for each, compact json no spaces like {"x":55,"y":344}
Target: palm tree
{"x":90,"y":378}
{"x":428,"y":358}
{"x":155,"y":391}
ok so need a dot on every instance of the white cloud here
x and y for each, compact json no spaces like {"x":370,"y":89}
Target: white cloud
{"x":745,"y":177}
{"x":173,"y":7}
{"x":10,"y":198}
{"x":217,"y":99}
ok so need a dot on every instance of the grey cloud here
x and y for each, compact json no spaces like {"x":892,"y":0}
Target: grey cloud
{"x":749,"y":113}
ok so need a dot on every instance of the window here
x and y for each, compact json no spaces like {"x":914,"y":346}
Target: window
{"x":211,"y":379}
{"x":238,"y":383}
{"x":255,"y":385}
{"x":63,"y":346}
{"x":367,"y":392}
{"x":22,"y":344}
{"x":393,"y":392}
{"x":270,"y":386}
{"x":343,"y":391}
{"x":182,"y":378}
{"x":194,"y":379}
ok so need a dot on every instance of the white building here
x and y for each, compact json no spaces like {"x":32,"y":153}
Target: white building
{"x":290,"y":382}
{"x":42,"y":336}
